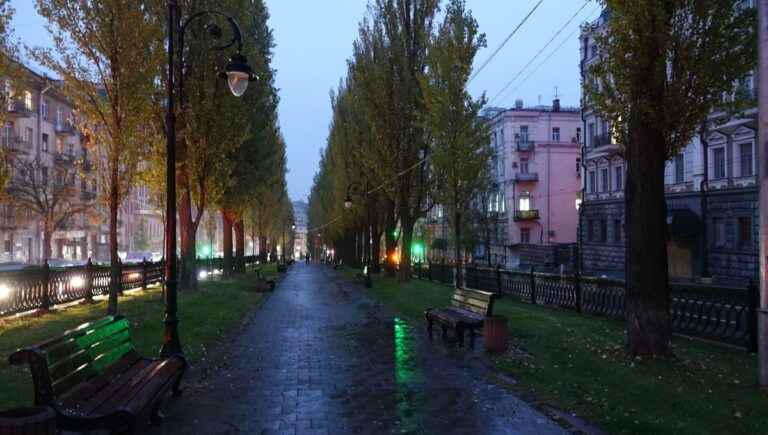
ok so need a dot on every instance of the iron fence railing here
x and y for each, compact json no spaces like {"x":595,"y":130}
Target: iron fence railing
{"x":43,"y":287}
{"x":726,"y":314}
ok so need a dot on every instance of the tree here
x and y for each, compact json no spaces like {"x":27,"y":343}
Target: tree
{"x":55,"y":198}
{"x":107,"y":54}
{"x":390,"y":60}
{"x":461,"y":146}
{"x":140,"y":238}
{"x":665,"y":66}
{"x":10,"y":72}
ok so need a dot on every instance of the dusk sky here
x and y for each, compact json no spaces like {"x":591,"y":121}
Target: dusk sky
{"x":314,"y":40}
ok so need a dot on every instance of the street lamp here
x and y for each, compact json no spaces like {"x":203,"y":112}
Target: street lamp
{"x":238,"y":73}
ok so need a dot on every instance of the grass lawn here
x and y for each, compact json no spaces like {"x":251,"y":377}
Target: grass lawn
{"x":577,"y":364}
{"x":205,"y":317}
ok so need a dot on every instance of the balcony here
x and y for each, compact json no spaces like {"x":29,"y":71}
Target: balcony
{"x":15,"y":144}
{"x":87,"y":196}
{"x":602,"y":140}
{"x":526,"y":215}
{"x":525,"y":145}
{"x":66,"y":159}
{"x":19,"y":110}
{"x":64,"y":129}
{"x":528,"y":176}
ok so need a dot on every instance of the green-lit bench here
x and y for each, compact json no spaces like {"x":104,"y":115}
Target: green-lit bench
{"x":94,"y":379}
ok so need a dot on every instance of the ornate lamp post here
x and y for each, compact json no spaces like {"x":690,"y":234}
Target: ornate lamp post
{"x":238,"y":74}
{"x":362,"y":191}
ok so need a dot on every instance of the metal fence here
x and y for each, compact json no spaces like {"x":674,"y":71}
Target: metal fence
{"x":726,"y":314}
{"x":43,"y":287}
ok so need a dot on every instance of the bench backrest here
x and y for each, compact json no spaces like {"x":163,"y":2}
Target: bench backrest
{"x":76,"y":356}
{"x":477,"y":301}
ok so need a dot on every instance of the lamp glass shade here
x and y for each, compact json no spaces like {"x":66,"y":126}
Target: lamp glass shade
{"x":347,"y":204}
{"x":238,"y":82}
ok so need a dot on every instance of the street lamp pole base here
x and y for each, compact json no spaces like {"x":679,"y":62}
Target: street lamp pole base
{"x":171,"y":343}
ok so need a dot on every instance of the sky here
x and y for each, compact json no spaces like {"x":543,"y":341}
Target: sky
{"x":314,"y":40}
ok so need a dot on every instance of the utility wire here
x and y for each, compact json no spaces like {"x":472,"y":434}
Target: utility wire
{"x":375,"y":189}
{"x":498,"y":49}
{"x":519,"y":73}
{"x":562,"y":43}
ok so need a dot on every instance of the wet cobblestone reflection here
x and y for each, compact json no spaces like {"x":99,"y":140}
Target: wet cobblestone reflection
{"x":320,"y":357}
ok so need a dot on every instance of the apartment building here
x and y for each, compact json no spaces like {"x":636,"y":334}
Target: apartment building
{"x":712,"y":196}
{"x":41,"y":127}
{"x":535,"y":166}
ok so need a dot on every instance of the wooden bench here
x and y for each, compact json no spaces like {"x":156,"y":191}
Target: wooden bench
{"x":468,"y":310}
{"x":94,"y":379}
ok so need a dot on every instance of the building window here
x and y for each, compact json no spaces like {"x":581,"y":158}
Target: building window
{"x":619,"y":178}
{"x":603,"y":230}
{"x":578,"y":135}
{"x":28,"y":100}
{"x":745,"y":153}
{"x":59,"y":117}
{"x":719,"y":162}
{"x":617,"y":230}
{"x":592,"y":181}
{"x":523,"y":166}
{"x":44,"y":175}
{"x":719,"y":230}
{"x":604,"y":187}
{"x":591,"y":135}
{"x":501,"y":136}
{"x":28,"y":134}
{"x":60,"y":145}
{"x":745,"y":231}
{"x":679,"y":169}
{"x":555,"y":134}
{"x":45,"y":143}
{"x":525,"y":203}
{"x":523,"y":134}
{"x":590,"y":231}
{"x":578,"y":167}
{"x":525,"y":235}
{"x":45,"y":108}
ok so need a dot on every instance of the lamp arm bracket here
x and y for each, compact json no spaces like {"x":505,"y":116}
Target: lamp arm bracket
{"x":237,"y":37}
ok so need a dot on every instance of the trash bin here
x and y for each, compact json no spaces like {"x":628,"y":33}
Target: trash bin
{"x":495,"y":334}
{"x":28,"y":421}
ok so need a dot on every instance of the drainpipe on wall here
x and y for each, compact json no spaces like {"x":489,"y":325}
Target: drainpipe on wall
{"x":763,"y":177}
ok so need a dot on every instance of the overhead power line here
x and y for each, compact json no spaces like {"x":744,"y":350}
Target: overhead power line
{"x":372,"y":190}
{"x":533,"y":71}
{"x":536,"y":56}
{"x":498,"y":49}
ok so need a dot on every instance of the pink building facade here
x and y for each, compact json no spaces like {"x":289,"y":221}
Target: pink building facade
{"x":536,"y":166}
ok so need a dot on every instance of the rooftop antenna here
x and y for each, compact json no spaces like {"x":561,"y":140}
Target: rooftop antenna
{"x":539,"y":99}
{"x":557,"y":95}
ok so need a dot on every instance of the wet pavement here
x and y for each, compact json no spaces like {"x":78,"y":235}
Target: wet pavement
{"x":320,"y":357}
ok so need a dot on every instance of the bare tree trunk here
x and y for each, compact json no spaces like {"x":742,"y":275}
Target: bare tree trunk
{"x":457,"y":247}
{"x":404,"y":274}
{"x":47,"y":236}
{"x":375,"y":248}
{"x":114,"y":268}
{"x":649,"y":328}
{"x":187,"y":232}
{"x":239,"y":228}
{"x":227,"y":242}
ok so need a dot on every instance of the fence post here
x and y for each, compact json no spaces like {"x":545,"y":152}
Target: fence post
{"x":144,"y":274}
{"x":533,"y":285}
{"x":46,"y":302}
{"x":429,"y":271}
{"x":89,"y":281}
{"x":577,"y":290}
{"x":498,"y":278}
{"x":753,"y":293}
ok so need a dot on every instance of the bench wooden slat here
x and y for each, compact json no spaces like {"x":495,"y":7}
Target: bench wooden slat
{"x":468,"y":310}
{"x":93,"y":377}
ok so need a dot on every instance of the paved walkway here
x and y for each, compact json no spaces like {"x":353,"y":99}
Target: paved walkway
{"x":321,"y":357}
